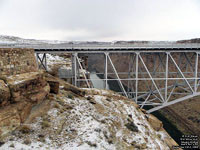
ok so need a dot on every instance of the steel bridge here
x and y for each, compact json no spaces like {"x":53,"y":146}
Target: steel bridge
{"x":157,"y":74}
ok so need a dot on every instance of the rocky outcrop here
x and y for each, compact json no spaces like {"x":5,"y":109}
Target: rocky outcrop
{"x":30,"y":87}
{"x":4,"y":93}
{"x":99,"y":120}
{"x":21,"y":87}
{"x":22,"y":91}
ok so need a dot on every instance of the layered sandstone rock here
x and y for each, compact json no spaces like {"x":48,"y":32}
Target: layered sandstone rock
{"x":4,"y":93}
{"x":30,"y":87}
{"x":23,"y":91}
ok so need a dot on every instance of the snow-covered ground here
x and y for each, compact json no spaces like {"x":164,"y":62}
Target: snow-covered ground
{"x":53,"y":60}
{"x":97,"y":121}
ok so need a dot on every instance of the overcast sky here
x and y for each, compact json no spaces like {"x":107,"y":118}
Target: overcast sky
{"x":101,"y":20}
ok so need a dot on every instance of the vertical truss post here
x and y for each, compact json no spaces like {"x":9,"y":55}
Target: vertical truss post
{"x":106,"y":70}
{"x":196,"y":72}
{"x":74,"y":69}
{"x":136,"y":77}
{"x":166,"y":75}
{"x":118,"y":79}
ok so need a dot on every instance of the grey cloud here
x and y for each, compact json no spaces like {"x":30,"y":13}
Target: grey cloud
{"x":101,"y":19}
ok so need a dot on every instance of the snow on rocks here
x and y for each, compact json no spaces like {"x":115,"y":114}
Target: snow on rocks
{"x":111,"y":123}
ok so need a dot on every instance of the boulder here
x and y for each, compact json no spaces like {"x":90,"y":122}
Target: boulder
{"x":28,"y":87}
{"x":4,"y":93}
{"x":154,"y":122}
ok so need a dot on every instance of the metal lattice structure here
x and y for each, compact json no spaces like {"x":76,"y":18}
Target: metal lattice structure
{"x":157,"y":79}
{"x":157,"y":75}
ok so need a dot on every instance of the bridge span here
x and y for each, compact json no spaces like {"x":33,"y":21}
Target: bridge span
{"x":153,"y":74}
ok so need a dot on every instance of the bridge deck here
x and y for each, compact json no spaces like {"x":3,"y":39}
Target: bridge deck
{"x":103,"y":47}
{"x":115,"y":50}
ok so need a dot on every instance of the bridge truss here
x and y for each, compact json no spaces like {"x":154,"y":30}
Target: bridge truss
{"x":157,"y":79}
{"x":150,"y":76}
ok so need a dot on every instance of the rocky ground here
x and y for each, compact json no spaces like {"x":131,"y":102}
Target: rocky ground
{"x":99,"y":120}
